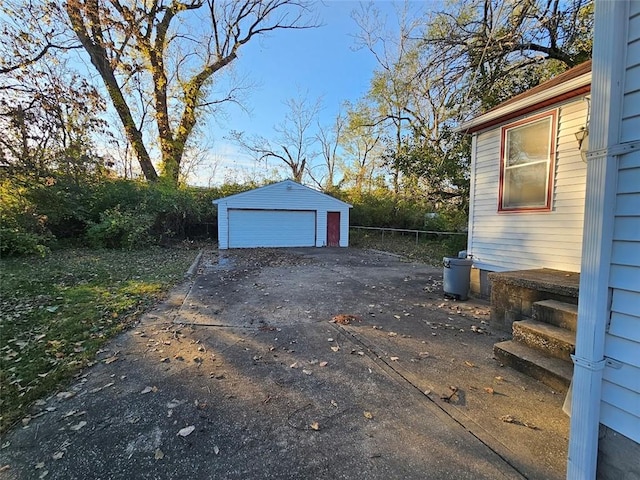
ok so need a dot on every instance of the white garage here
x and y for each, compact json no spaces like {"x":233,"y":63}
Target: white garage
{"x":284,"y":214}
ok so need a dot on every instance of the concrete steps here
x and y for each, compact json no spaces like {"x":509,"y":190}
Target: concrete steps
{"x":560,"y":314}
{"x":541,"y":347}
{"x":554,"y":341}
{"x":551,"y":371}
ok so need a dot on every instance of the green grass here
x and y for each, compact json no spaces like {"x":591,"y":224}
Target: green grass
{"x":57,"y":311}
{"x":429,"y":249}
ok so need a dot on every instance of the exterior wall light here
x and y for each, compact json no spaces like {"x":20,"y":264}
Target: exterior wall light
{"x":582,"y":136}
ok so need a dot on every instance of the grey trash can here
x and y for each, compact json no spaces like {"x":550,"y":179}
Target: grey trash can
{"x":456,"y":277}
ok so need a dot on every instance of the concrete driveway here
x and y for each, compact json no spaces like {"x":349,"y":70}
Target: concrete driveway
{"x":241,"y":374}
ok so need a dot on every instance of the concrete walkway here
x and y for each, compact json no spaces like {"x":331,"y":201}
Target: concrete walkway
{"x":241,"y":375}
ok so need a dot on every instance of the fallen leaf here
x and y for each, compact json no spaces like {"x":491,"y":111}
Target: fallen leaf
{"x":159,"y":454}
{"x":315,"y":426}
{"x":345,"y":319}
{"x":78,"y":426}
{"x":368,"y":415}
{"x":148,"y":390}
{"x":323,"y":364}
{"x":186,"y":431}
{"x":500,"y":379}
{"x":508,"y":419}
{"x":489,"y":390}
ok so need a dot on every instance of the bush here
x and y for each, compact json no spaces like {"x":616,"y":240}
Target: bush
{"x":121,"y":229}
{"x":22,"y":229}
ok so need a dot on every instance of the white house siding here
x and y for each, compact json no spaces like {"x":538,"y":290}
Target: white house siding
{"x":284,"y":196}
{"x":620,"y":407}
{"x":517,"y":241}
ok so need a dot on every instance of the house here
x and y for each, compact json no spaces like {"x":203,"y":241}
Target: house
{"x":283,"y":214}
{"x":604,"y":439}
{"x":528,"y":180}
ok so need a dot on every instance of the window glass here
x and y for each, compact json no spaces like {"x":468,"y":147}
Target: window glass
{"x":526,"y":165}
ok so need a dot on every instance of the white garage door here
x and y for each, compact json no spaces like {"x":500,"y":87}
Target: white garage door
{"x":271,"y":228}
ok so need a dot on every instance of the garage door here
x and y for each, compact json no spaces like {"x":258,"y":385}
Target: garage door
{"x":271,"y":228}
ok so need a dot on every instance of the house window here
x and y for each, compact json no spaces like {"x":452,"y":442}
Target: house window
{"x":528,"y":149}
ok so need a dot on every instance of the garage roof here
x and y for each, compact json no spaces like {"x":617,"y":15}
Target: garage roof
{"x":290,"y":184}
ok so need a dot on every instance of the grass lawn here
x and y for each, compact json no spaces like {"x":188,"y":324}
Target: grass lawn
{"x":56,"y":312}
{"x":429,"y":250}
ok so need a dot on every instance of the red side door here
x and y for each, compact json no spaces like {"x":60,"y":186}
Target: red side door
{"x":333,"y":229}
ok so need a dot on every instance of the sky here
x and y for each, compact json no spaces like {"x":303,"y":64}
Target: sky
{"x":319,"y":62}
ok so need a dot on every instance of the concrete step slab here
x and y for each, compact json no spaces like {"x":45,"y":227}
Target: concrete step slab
{"x":551,"y":371}
{"x":555,"y":312}
{"x":551,"y":340}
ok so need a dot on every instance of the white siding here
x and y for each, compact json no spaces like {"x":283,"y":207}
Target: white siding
{"x":515,"y":241}
{"x":286,"y":196}
{"x":621,"y":382}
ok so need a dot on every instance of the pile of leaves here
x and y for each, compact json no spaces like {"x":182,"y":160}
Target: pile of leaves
{"x":56,"y":312}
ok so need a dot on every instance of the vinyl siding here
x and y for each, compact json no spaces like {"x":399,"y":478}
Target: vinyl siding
{"x":515,"y":241}
{"x":621,"y":382}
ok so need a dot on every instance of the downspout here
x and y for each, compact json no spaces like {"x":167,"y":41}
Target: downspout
{"x":472,"y":193}
{"x":609,"y":55}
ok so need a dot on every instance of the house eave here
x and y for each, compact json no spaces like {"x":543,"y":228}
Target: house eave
{"x":575,"y":87}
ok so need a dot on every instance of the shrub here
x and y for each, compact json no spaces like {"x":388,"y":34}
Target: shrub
{"x":121,"y":229}
{"x":22,"y":229}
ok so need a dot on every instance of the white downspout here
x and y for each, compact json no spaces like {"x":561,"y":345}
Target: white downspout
{"x":609,"y":55}
{"x":472,"y":194}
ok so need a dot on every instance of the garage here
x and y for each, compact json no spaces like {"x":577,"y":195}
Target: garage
{"x":283,"y":214}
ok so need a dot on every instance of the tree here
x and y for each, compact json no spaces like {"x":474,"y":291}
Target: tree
{"x":30,"y":32}
{"x":329,"y":141}
{"x":497,"y":49}
{"x":361,"y":142}
{"x":48,"y":115}
{"x":176,"y":51}
{"x":294,"y":141}
{"x":391,"y":86}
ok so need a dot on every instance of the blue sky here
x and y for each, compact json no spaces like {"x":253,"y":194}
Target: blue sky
{"x":321,"y":61}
